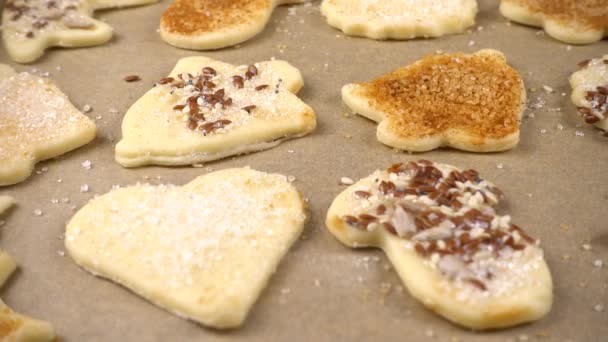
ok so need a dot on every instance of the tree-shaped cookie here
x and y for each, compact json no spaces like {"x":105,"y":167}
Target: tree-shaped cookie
{"x":13,"y":326}
{"x":207,"y":110}
{"x":31,"y":26}
{"x":571,"y":21}
{"x":214,"y":24}
{"x":439,"y":228}
{"x":399,"y":19}
{"x":469,"y":102}
{"x":204,"y":251}
{"x":37,"y":122}
{"x":590,"y":91}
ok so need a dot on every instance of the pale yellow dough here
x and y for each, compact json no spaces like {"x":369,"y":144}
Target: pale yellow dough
{"x":37,"y":122}
{"x":526,"y":297}
{"x":155,"y":133}
{"x":203,"y":251}
{"x":75,"y":29}
{"x":400,"y":19}
{"x":210,"y":25}
{"x":13,"y":326}
{"x":588,"y":79}
{"x":5,"y":203}
{"x":567,"y":30}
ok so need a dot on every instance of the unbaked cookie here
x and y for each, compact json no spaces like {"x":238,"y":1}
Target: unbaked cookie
{"x":31,"y":26}
{"x":590,"y":91}
{"x":13,"y":326}
{"x":5,"y":203}
{"x":400,"y":19}
{"x":214,"y":24}
{"x":454,"y":253}
{"x":207,"y":110}
{"x":469,"y":102}
{"x":203,"y":251}
{"x":571,"y":21}
{"x":37,"y":122}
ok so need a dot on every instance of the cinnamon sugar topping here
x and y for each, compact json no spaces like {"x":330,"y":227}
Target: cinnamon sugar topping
{"x":590,"y":13}
{"x":479,"y":94}
{"x":448,"y":218}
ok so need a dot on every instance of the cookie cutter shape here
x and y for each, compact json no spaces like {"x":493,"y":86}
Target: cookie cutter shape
{"x":590,"y":91}
{"x":37,"y":122}
{"x":469,"y":102}
{"x":214,"y":24}
{"x":439,"y":228}
{"x":203,"y":251}
{"x":207,"y":110}
{"x":400,"y":19}
{"x":570,"y":21}
{"x":29,"y":27}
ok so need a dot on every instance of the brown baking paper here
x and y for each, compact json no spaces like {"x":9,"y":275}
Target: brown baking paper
{"x":555,"y":182}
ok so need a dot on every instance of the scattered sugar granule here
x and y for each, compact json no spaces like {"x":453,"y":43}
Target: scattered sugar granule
{"x":598,"y":263}
{"x":61,"y":253}
{"x":38,"y":212}
{"x":87,"y":108}
{"x":429,"y":333}
{"x":471,"y":43}
{"x":285,"y":290}
{"x":291,"y":178}
{"x":586,"y":246}
{"x":560,"y":127}
{"x":543,"y":131}
{"x":346,"y":181}
{"x":548,"y":89}
{"x":523,"y":337}
{"x":317,"y":283}
{"x":87,"y":164}
{"x":599,"y":308}
{"x":499,"y":166}
{"x":580,"y":133}
{"x":84,"y":188}
{"x":59,"y":180}
{"x":290,"y":151}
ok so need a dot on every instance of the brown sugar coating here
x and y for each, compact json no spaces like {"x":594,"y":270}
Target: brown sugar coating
{"x":591,"y":13}
{"x":188,"y":16}
{"x":478,"y":94}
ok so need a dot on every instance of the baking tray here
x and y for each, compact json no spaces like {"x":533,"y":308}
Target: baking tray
{"x":555,"y":182}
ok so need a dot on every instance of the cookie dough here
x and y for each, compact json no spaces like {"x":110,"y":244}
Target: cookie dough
{"x":454,"y":253}
{"x":37,"y":122}
{"x":400,"y":19}
{"x":571,"y":21}
{"x":214,"y":24}
{"x":469,"y":102}
{"x":207,"y":110}
{"x":29,"y":27}
{"x":203,"y":251}
{"x":590,"y":91}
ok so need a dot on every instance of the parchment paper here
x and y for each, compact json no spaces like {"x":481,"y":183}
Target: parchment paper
{"x":555,"y":182}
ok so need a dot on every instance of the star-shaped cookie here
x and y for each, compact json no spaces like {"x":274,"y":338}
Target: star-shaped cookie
{"x":204,"y":251}
{"x":214,"y":24}
{"x":469,"y":102}
{"x":400,"y":19}
{"x":37,"y":122}
{"x":207,"y":110}
{"x":439,"y":228}
{"x":571,"y":21}
{"x":31,"y":26}
{"x":590,"y":91}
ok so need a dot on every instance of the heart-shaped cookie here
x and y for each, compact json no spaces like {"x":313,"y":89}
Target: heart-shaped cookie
{"x":207,"y":110}
{"x":439,"y":228}
{"x":214,"y":24}
{"x":13,"y":326}
{"x":204,"y":251}
{"x":590,"y":91}
{"x":37,"y":122}
{"x":398,"y":19}
{"x":571,"y":21}
{"x":469,"y":102}
{"x":31,"y":26}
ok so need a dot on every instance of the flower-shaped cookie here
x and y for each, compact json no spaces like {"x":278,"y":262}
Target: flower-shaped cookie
{"x":207,"y":110}
{"x":590,"y":91}
{"x":204,"y":251}
{"x":400,"y":19}
{"x":37,"y":122}
{"x":470,"y":102}
{"x":571,"y":21}
{"x":214,"y":24}
{"x":31,"y":26}
{"x":455,"y":254}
